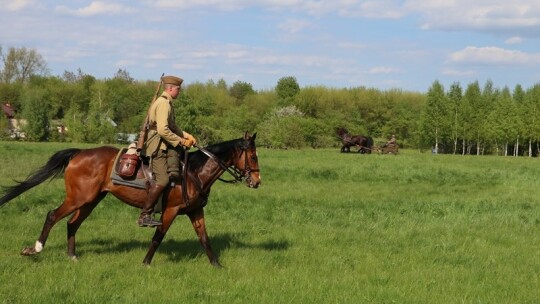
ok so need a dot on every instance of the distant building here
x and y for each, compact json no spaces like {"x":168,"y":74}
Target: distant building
{"x":8,"y":110}
{"x":14,"y":125}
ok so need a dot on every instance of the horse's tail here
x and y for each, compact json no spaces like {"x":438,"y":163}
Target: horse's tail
{"x":52,"y":169}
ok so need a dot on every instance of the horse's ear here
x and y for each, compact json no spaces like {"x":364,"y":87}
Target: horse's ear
{"x":252,"y":137}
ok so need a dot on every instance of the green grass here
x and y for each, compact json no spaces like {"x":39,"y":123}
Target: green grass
{"x":324,"y":227}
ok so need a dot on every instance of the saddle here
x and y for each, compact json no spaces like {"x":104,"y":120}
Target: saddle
{"x":130,"y":170}
{"x":133,"y":171}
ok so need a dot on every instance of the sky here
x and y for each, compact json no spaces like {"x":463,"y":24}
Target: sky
{"x":382,"y":44}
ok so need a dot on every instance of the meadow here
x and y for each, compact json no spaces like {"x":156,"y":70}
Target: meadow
{"x":324,"y":227}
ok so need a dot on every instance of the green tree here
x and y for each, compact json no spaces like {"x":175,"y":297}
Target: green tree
{"x":4,"y":125}
{"x":403,"y":121}
{"x":21,"y":63}
{"x":100,"y":128}
{"x":503,"y":120}
{"x":435,"y":119}
{"x":488,"y":100}
{"x":240,"y":90}
{"x":455,"y":99}
{"x":75,"y":122}
{"x":11,"y":93}
{"x":36,"y":113}
{"x":473,"y":118}
{"x":123,"y":75}
{"x":286,"y":89}
{"x":532,"y":116}
{"x":521,"y":112}
{"x":283,"y":128}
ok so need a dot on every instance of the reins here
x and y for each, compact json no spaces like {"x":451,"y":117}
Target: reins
{"x":238,"y":174}
{"x":235,"y":172}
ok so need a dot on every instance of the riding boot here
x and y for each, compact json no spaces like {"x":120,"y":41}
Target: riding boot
{"x":145,"y":219}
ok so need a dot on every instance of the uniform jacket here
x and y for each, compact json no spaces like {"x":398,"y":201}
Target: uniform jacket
{"x":161,"y":115}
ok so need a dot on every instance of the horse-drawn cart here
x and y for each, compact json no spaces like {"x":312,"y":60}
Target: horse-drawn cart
{"x":387,"y":149}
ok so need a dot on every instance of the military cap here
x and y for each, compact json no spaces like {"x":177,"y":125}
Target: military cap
{"x":172,"y":80}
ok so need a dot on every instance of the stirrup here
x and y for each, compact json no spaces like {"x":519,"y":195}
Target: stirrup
{"x":148,"y":221}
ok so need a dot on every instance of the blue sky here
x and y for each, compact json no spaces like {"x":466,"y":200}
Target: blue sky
{"x":384,"y":44}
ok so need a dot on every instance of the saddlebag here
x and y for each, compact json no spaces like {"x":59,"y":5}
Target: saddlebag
{"x":128,"y":165}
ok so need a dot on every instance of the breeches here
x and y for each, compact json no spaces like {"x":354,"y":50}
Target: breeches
{"x":165,"y":163}
{"x":159,"y":168}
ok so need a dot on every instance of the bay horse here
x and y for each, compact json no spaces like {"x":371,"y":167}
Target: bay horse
{"x":87,"y":181}
{"x":364,"y":143}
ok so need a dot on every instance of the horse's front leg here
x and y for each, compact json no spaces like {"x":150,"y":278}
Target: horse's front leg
{"x":168,"y":216}
{"x":197,"y":220}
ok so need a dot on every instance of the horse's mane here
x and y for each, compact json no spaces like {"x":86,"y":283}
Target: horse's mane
{"x":342,"y":132}
{"x":198,"y":158}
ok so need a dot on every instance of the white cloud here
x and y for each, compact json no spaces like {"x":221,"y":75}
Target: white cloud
{"x":378,"y":9}
{"x":364,"y":8}
{"x":225,"y":5}
{"x":204,"y":54}
{"x":493,"y":55}
{"x":352,"y":45}
{"x":514,"y":40}
{"x":294,"y":25}
{"x":124,"y":63}
{"x":459,"y":73}
{"x":158,"y":56}
{"x":483,"y":15}
{"x":383,"y":70}
{"x":185,"y":66}
{"x":16,"y":5}
{"x":94,"y":8}
{"x":480,"y":15}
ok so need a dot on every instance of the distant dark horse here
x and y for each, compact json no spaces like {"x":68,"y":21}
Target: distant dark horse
{"x":364,"y":143}
{"x":87,"y":181}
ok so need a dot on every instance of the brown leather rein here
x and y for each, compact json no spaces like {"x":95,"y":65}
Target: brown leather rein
{"x":239,"y":175}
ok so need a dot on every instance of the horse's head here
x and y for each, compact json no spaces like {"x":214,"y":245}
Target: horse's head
{"x":248,"y":162}
{"x":341,"y":132}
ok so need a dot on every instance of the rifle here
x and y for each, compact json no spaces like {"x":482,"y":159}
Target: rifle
{"x":146,"y":126}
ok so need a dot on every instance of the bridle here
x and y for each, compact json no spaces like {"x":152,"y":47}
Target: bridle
{"x":237,"y":174}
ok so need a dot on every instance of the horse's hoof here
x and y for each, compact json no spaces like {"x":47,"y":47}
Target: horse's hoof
{"x":146,"y":263}
{"x":216,"y":264}
{"x":74,"y":258}
{"x":28,"y":251}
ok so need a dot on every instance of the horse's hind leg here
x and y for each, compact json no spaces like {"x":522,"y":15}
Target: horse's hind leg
{"x":75,"y":222}
{"x":53,"y":217}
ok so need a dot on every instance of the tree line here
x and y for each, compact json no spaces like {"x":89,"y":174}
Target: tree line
{"x":482,"y":120}
{"x":475,"y":121}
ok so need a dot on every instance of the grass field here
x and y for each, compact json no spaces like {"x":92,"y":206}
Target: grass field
{"x":324,"y":227}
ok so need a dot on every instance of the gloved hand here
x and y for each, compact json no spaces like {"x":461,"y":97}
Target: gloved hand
{"x":190,"y":137}
{"x":188,"y":143}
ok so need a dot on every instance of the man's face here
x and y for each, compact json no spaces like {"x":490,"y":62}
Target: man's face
{"x":174,"y":91}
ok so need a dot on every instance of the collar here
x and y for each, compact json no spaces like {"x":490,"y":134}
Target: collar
{"x":167,"y":95}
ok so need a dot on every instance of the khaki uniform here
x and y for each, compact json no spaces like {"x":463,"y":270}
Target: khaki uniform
{"x":162,"y":136}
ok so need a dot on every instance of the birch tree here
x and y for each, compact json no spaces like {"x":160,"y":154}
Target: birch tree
{"x":435,"y":116}
{"x":455,"y":103}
